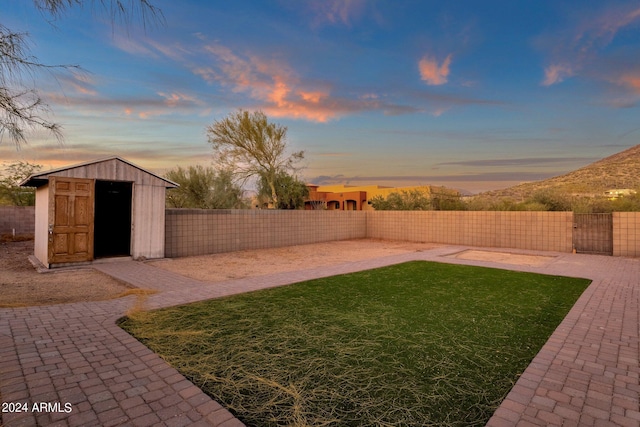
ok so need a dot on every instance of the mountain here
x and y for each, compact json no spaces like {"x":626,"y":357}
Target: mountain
{"x":621,"y":170}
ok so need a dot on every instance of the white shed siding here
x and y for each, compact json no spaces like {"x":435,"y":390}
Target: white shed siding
{"x":41,"y":233}
{"x":112,"y":170}
{"x":148,"y":204}
{"x":147,"y":236}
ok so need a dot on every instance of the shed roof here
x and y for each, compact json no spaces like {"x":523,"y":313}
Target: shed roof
{"x":110,"y":168}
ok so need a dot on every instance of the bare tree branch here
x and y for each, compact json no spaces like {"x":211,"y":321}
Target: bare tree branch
{"x":21,"y":107}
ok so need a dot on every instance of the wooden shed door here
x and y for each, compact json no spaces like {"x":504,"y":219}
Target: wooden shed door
{"x":71,"y":202}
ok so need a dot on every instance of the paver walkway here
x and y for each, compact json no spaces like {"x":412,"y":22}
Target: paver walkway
{"x":74,"y":354}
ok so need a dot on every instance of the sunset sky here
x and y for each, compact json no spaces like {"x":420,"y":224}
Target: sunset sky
{"x":472,"y":95}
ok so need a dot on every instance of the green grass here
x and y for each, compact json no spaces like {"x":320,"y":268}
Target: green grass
{"x":414,"y":344}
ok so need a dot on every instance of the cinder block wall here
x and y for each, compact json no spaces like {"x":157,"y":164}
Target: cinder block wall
{"x":544,"y":231}
{"x":626,"y":234}
{"x":196,"y":232}
{"x":19,"y":218}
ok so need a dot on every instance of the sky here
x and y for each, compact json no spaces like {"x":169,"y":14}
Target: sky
{"x":471,"y":95}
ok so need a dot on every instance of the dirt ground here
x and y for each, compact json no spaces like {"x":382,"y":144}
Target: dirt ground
{"x":504,"y":257}
{"x":21,"y":285}
{"x":251,"y":263}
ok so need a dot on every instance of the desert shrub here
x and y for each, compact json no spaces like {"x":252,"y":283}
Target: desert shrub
{"x":404,"y":200}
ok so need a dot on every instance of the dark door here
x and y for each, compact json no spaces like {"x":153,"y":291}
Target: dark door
{"x":70,"y":220}
{"x":112,"y":235}
{"x":593,"y":233}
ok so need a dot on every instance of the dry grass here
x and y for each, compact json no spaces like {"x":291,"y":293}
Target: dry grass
{"x":413,"y":344}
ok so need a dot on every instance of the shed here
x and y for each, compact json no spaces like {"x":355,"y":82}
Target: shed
{"x":98,"y":209}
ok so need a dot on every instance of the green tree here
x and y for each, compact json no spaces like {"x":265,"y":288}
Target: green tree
{"x":204,"y":188}
{"x":291,"y":193}
{"x":445,"y":199}
{"x":249,"y":145}
{"x":10,"y":191}
{"x":404,"y":200}
{"x":553,"y":200}
{"x":21,"y":106}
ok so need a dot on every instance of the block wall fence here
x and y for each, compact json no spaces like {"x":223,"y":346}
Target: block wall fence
{"x":197,"y":232}
{"x":18,"y":219}
{"x":541,"y":231}
{"x":626,"y":234}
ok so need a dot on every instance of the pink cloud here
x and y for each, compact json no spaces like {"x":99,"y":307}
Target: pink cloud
{"x":631,"y":81}
{"x":580,"y":47}
{"x":279,"y":89}
{"x":313,"y":97}
{"x":556,"y":73}
{"x":432,"y":73}
{"x":147,"y":47}
{"x":78,"y":83}
{"x":176,"y":99}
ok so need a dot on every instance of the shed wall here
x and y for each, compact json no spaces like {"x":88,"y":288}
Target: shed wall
{"x":147,"y":237}
{"x":41,"y":235}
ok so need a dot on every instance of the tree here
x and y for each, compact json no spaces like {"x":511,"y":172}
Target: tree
{"x":249,"y":145}
{"x":290,"y":191}
{"x":204,"y":188}
{"x":405,"y":200}
{"x":10,"y":191}
{"x":21,"y":107}
{"x":445,"y":199}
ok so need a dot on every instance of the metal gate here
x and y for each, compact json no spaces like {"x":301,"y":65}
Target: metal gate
{"x":593,"y":233}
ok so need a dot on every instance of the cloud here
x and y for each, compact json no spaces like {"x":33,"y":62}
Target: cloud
{"x":556,"y":73}
{"x":145,"y":154}
{"x":533,"y":161}
{"x":432,"y":73}
{"x":143,"y":107}
{"x":484,"y":176}
{"x":335,"y":12}
{"x":80,"y":83}
{"x":333,"y":154}
{"x":143,"y":46}
{"x":631,"y":81}
{"x":584,"y":45}
{"x":281,"y":92}
{"x":439,"y":103}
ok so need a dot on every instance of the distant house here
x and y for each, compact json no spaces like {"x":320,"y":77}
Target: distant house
{"x":616,"y":193}
{"x":342,"y":199}
{"x":356,"y":198}
{"x":103,"y":208}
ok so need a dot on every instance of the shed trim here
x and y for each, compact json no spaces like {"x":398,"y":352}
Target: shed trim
{"x":41,"y":178}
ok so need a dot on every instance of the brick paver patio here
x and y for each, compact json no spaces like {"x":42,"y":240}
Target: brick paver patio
{"x":586,"y":374}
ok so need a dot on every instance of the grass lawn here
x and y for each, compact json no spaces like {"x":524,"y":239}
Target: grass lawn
{"x":413,"y":344}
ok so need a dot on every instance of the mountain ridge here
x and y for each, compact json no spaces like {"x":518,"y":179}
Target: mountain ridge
{"x":618,"y":171}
